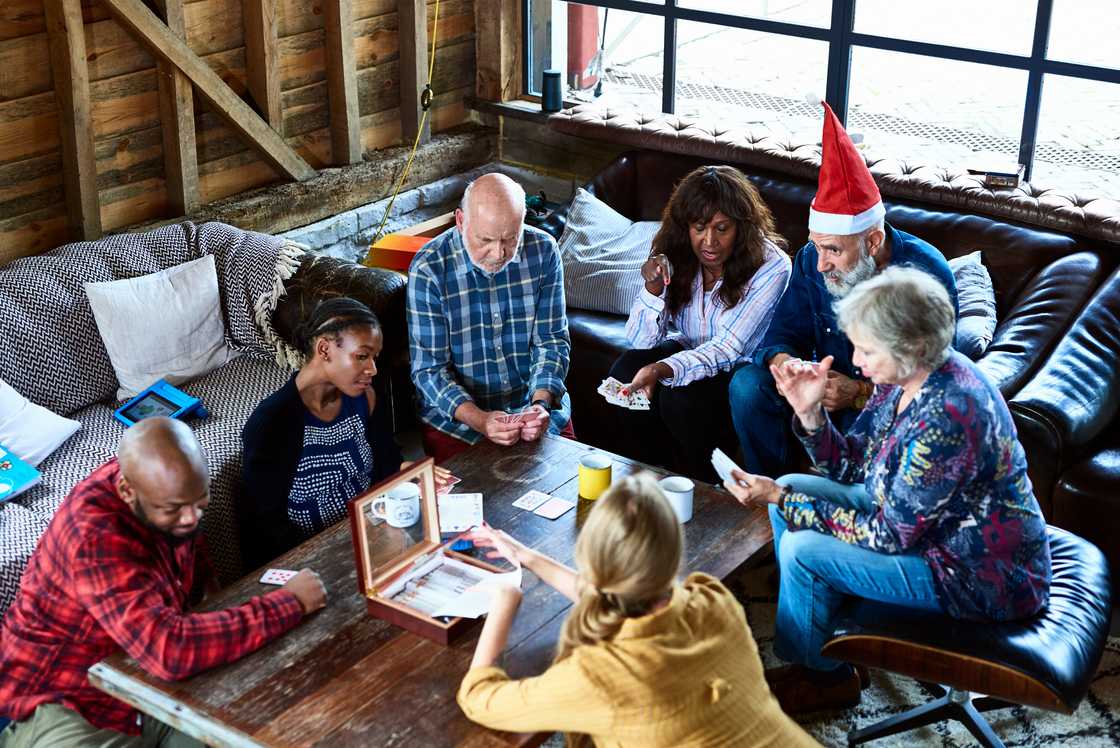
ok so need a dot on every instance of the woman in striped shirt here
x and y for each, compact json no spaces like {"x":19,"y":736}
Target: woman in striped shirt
{"x":714,"y":276}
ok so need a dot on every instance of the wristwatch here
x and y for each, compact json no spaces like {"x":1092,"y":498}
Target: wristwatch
{"x":547,"y":405}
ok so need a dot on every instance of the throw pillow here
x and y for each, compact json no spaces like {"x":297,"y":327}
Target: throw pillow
{"x":976,"y":300}
{"x":31,"y":431}
{"x":603,"y":252}
{"x":165,"y":325}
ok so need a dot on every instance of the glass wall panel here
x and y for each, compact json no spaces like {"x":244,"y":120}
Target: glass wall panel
{"x":749,"y":77}
{"x":995,"y":25}
{"x":934,"y":111}
{"x":1078,"y":143}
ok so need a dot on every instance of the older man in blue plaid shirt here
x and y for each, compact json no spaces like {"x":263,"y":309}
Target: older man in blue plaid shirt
{"x":487,"y":330}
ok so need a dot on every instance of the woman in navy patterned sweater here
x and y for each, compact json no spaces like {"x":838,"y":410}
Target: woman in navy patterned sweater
{"x":319,"y":440}
{"x":924,"y":503}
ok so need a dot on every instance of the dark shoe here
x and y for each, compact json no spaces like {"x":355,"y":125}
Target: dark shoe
{"x":799,"y":690}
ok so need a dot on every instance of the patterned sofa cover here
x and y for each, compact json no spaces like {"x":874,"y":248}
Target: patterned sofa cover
{"x":54,"y":356}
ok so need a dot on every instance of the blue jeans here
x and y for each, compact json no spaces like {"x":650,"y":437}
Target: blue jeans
{"x":762,"y":421}
{"x":819,"y":571}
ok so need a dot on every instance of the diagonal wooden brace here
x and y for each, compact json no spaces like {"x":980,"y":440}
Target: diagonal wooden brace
{"x":150,"y":30}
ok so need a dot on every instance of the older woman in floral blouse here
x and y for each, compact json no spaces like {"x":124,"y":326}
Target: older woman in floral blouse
{"x":924,"y":503}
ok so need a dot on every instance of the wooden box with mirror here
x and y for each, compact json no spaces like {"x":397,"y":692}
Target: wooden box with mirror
{"x":406,"y":572}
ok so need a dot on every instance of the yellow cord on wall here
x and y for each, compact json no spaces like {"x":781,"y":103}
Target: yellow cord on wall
{"x":425,"y":103}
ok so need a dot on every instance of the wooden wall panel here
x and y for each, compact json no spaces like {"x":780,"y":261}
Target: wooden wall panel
{"x":126,"y":120}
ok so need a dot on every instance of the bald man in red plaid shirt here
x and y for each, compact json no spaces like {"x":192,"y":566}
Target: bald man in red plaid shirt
{"x":116,"y":569}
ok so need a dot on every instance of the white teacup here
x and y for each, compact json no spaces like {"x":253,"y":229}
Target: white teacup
{"x":400,"y":506}
{"x":678,"y":490}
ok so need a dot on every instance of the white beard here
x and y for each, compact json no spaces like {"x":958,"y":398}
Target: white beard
{"x":864,"y":269}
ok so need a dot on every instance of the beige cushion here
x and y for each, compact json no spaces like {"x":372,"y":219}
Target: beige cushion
{"x":167,"y":325}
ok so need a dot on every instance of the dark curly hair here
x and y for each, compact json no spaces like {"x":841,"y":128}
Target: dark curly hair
{"x":331,"y":317}
{"x":698,"y":197}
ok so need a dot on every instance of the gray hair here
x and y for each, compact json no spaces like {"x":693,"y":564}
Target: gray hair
{"x":908,"y":311}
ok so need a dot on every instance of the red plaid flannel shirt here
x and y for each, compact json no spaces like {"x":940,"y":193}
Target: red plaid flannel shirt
{"x":100,"y":581}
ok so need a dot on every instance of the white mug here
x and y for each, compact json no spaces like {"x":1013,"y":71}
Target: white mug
{"x":678,"y":490}
{"x":401,"y":505}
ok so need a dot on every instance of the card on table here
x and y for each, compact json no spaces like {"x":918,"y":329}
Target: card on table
{"x":459,"y":512}
{"x":531,"y":500}
{"x":277,"y":576}
{"x":553,"y":508}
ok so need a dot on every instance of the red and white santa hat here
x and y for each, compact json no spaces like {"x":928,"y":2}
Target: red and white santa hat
{"x":847,"y":199}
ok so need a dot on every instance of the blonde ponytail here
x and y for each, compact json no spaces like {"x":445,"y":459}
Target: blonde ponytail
{"x":628,"y":555}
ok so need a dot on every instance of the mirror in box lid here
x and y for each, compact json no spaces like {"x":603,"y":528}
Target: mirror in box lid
{"x":396,"y":522}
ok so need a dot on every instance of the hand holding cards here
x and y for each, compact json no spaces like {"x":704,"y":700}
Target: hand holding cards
{"x":724,"y":465}
{"x":616,"y":393}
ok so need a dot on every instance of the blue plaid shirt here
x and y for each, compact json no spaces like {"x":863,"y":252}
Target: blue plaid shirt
{"x":493,"y":339}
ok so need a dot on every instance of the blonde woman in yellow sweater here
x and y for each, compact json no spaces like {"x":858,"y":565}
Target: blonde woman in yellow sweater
{"x":642,"y":660}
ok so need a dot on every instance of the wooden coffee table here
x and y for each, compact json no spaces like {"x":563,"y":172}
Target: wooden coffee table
{"x":342,"y":678}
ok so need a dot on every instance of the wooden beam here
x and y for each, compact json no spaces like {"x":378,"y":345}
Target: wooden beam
{"x":262,"y":59}
{"x":176,"y":116}
{"x":413,"y":15}
{"x":143,"y":23}
{"x":67,"y":38}
{"x":342,"y":82}
{"x":498,"y":49}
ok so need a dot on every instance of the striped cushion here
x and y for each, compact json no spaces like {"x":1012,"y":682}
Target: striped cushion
{"x":602,"y":253}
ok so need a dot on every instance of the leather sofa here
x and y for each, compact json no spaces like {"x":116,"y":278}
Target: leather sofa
{"x":1054,"y":356}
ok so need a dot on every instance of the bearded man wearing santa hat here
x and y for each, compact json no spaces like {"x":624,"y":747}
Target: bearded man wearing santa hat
{"x":849,"y":242}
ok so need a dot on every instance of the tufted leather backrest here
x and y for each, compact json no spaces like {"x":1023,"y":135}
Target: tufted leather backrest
{"x":1041,"y":278}
{"x":950,"y":188}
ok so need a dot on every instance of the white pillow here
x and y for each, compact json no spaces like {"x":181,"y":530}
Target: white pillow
{"x":165,"y":325}
{"x":29,"y":430}
{"x":976,"y":303}
{"x":603,"y":252}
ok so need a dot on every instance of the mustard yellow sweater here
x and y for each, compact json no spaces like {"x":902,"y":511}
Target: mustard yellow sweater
{"x":687,"y":674}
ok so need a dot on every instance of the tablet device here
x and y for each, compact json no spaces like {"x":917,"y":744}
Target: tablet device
{"x":161,"y":399}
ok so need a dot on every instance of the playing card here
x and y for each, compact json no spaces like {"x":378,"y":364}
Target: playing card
{"x":611,"y":389}
{"x":553,"y":508}
{"x":449,"y":484}
{"x":277,"y":576}
{"x":638,"y":401}
{"x":459,"y":512}
{"x":723,"y":464}
{"x":531,"y":500}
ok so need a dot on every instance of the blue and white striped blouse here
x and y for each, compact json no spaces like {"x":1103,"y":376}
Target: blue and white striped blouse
{"x":715,"y":337}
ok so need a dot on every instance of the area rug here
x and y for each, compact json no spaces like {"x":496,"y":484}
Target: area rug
{"x":1095,"y":723}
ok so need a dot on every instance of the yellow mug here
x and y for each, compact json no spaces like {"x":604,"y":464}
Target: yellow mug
{"x":594,"y":475}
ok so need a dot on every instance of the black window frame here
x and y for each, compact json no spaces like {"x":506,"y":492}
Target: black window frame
{"x":842,"y":38}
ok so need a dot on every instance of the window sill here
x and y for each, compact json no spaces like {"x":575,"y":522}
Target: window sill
{"x":523,"y":109}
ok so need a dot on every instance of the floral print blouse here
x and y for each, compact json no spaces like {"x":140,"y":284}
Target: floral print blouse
{"x":949,"y":479}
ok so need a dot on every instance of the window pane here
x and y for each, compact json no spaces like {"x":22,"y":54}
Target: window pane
{"x":932,"y":110}
{"x":995,"y":25}
{"x":805,"y":12}
{"x":1077,"y":146}
{"x":748,"y":76}
{"x":1085,"y":31}
{"x":624,"y":66}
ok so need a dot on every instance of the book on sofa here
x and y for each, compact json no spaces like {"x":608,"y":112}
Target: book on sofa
{"x":16,"y":476}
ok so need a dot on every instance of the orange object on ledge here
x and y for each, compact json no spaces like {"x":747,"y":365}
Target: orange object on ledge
{"x":395,"y":251}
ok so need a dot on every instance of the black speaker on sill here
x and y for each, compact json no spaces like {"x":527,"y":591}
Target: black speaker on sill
{"x":551,"y":96}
